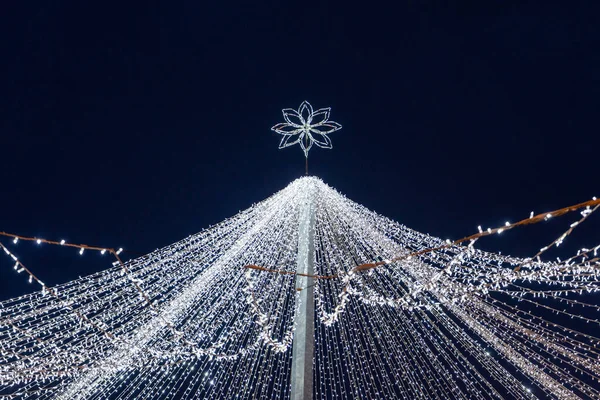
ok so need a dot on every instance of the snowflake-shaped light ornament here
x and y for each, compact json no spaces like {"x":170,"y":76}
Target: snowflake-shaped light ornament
{"x":305,"y":127}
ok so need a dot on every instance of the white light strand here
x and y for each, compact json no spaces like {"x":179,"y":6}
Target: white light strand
{"x":188,"y":321}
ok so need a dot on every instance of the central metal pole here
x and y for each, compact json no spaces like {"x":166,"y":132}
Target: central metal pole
{"x":304,"y":336}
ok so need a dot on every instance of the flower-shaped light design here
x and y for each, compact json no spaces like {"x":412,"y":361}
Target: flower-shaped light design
{"x":305,"y":126}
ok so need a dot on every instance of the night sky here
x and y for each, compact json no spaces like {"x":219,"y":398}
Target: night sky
{"x":136,"y":124}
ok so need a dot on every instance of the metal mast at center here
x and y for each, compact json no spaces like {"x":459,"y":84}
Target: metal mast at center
{"x":304,"y":336}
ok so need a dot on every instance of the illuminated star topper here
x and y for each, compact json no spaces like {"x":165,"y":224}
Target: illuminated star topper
{"x":305,"y":126}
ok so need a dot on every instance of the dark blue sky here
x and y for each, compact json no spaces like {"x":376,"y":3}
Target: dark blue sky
{"x":137,"y":124}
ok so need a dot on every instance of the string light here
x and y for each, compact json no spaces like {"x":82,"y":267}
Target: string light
{"x":432,"y":319}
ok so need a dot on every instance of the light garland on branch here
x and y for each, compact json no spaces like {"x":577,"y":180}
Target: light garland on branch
{"x":399,"y":314}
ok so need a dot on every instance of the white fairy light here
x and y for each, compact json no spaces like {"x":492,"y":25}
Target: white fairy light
{"x":456,"y":322}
